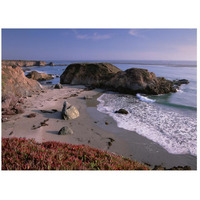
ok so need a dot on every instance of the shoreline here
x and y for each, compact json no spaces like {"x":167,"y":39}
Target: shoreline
{"x":141,"y":148}
{"x":85,"y":130}
{"x":91,"y":128}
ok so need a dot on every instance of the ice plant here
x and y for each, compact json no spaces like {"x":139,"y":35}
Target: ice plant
{"x":26,"y":154}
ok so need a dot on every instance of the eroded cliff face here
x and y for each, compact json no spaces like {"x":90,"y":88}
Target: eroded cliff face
{"x":22,"y":63}
{"x":15,"y":86}
{"x":14,"y":82}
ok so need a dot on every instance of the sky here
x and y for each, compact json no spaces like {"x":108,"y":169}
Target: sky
{"x":99,"y":44}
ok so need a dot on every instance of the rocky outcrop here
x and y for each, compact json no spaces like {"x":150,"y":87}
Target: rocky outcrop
{"x":23,"y":63}
{"x":180,"y":82}
{"x":107,"y":76}
{"x":14,"y":82}
{"x":15,"y":86}
{"x":58,"y":86}
{"x":51,"y":64}
{"x":11,"y":105}
{"x":69,"y":111}
{"x":135,"y":80}
{"x":65,"y":131}
{"x":39,"y":76}
{"x":122,"y":111}
{"x":88,"y":73}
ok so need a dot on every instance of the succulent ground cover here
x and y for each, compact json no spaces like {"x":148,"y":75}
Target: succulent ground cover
{"x":26,"y":154}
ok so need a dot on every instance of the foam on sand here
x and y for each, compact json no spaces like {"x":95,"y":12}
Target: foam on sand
{"x":174,"y":131}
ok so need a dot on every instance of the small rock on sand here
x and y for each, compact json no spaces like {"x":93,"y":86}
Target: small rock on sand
{"x":65,"y":131}
{"x":31,"y":115}
{"x":58,"y":86}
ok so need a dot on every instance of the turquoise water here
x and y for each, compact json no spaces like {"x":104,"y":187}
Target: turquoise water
{"x":170,"y":119}
{"x":186,"y":96}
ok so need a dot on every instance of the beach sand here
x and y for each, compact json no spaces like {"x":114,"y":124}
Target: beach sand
{"x":91,"y":128}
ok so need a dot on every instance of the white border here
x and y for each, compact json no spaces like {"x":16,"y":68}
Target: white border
{"x":100,"y":14}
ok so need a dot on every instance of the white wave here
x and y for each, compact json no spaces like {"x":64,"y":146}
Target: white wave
{"x":145,"y":99}
{"x":178,"y":90}
{"x":173,"y":131}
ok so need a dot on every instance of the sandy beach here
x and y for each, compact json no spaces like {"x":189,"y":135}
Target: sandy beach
{"x":91,"y":128}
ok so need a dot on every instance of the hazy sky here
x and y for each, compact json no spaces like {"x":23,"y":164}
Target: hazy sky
{"x":99,"y":44}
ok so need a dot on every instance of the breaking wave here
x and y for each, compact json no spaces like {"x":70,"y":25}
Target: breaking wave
{"x":174,"y":131}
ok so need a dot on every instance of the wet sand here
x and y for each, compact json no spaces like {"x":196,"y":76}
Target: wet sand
{"x":91,"y":128}
{"x":140,"y":148}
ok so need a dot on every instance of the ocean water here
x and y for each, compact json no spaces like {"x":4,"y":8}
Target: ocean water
{"x":169,"y":120}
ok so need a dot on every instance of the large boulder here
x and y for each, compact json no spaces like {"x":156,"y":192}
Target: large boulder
{"x":39,"y":76}
{"x":88,"y":73}
{"x":137,"y":80}
{"x":65,"y":131}
{"x":69,"y":111}
{"x":14,"y":82}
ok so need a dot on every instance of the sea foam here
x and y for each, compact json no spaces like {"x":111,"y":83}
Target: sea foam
{"x":172,"y":130}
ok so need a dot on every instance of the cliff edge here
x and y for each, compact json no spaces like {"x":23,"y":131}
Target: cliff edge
{"x":23,"y":63}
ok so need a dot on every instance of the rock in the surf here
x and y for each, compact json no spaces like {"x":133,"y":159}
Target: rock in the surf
{"x":122,"y":111}
{"x":107,"y":76}
{"x":135,"y":80}
{"x":180,"y":82}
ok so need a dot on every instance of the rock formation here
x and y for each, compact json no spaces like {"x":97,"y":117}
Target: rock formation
{"x":15,"y":86}
{"x":180,"y":82}
{"x":23,"y":63}
{"x":39,"y":76}
{"x":107,"y":76}
{"x":88,"y":73}
{"x":137,"y":80}
{"x":14,"y":82}
{"x":122,"y":111}
{"x":51,"y":64}
{"x":58,"y":86}
{"x":65,"y":131}
{"x":69,"y":111}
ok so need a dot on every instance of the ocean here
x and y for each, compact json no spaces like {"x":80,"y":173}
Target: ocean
{"x":169,"y":120}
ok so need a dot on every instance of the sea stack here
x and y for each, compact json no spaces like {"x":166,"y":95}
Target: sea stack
{"x":108,"y":76}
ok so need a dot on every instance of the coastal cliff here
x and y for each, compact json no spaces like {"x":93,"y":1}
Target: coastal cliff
{"x":23,"y":63}
{"x":15,"y":86}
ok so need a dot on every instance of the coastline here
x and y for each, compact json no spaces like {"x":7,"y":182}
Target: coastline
{"x":91,"y":128}
{"x":139,"y":147}
{"x":85,"y":130}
